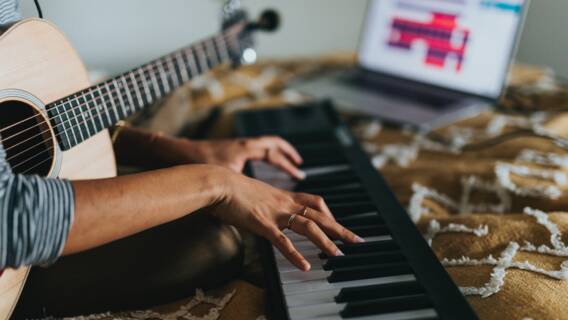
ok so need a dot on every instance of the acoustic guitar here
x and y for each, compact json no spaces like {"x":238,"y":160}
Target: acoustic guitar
{"x":54,"y":124}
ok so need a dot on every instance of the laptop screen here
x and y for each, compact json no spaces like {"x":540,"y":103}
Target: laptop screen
{"x":465,"y":45}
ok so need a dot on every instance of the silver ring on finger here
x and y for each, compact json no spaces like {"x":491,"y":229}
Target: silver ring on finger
{"x":305,"y":211}
{"x":290,"y":220}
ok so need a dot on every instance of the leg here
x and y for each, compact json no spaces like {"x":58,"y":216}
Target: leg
{"x":153,"y":267}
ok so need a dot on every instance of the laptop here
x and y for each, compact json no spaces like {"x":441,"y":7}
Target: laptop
{"x":427,"y":63}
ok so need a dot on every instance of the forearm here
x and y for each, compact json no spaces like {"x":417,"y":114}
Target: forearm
{"x":137,"y":147}
{"x":110,"y":209}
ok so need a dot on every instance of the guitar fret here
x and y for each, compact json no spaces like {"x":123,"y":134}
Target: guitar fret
{"x":99,"y":112}
{"x":113,"y":105}
{"x":64,"y":120}
{"x":120,"y":98}
{"x":183,"y":67}
{"x":163,"y":76}
{"x":87,"y":115}
{"x":102,"y":108}
{"x":210,"y":48}
{"x":172,"y":71}
{"x":222,"y":45}
{"x":136,"y":91}
{"x":155,"y":84}
{"x":145,"y":86}
{"x":201,"y":58}
{"x":191,"y":62}
{"x":123,"y":85}
{"x":77,"y":124}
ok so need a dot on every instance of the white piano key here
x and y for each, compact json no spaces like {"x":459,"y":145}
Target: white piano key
{"x":405,"y":315}
{"x":302,"y":276}
{"x":314,"y":171}
{"x":286,"y":266}
{"x":310,"y":298}
{"x":316,"y":310}
{"x":323,"y":284}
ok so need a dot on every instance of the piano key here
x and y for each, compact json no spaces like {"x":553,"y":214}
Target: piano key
{"x":346,"y":209}
{"x":352,"y":294}
{"x":371,"y":230}
{"x":364,"y":219}
{"x":323,"y":181}
{"x":424,"y":314}
{"x":315,"y":311}
{"x":334,"y":263}
{"x":333,"y":189}
{"x":323,"y":284}
{"x":315,"y":171}
{"x":342,"y":198}
{"x":302,"y":276}
{"x":386,"y":305}
{"x":379,"y":291}
{"x":366,"y":247}
{"x":319,"y":311}
{"x":370,"y":271}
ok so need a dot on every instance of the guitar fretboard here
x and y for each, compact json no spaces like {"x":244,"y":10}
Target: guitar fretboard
{"x":79,"y":116}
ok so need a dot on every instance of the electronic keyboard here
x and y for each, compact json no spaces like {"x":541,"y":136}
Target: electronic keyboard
{"x":392,"y":275}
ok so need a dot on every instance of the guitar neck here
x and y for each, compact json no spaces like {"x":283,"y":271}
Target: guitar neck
{"x":79,"y":116}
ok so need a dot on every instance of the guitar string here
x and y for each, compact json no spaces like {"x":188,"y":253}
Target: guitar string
{"x":227,"y":37}
{"x":140,"y":78}
{"x":131,"y":85}
{"x":138,"y":75}
{"x":92,"y":117}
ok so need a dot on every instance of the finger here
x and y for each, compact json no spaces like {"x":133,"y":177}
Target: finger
{"x":285,"y":246}
{"x":288,"y":150}
{"x":312,"y":231}
{"x":332,"y":228}
{"x":278,"y":159}
{"x":314,"y":202}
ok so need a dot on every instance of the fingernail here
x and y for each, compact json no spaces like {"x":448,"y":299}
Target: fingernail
{"x":307,"y":266}
{"x":339,"y":253}
{"x":301,"y":175}
{"x":359,"y":239}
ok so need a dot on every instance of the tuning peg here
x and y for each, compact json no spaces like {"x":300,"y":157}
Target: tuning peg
{"x":268,"y":21}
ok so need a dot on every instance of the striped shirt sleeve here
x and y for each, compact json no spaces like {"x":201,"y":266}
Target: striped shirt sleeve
{"x":9,"y":11}
{"x":35,"y":217}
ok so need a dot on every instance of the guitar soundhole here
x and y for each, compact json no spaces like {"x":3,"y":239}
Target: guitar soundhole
{"x":26,"y":138}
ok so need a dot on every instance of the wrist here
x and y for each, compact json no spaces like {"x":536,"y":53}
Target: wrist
{"x":220,"y":181}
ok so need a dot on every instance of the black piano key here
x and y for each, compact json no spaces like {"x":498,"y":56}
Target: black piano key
{"x":379,"y":291}
{"x":337,"y":189}
{"x":365,"y":220}
{"x":347,"y":197}
{"x":371,"y":230}
{"x":370,"y":271}
{"x":346,"y":209}
{"x":386,"y":305}
{"x":309,"y":138}
{"x":315,"y":149}
{"x":334,"y":263}
{"x":366,"y":247}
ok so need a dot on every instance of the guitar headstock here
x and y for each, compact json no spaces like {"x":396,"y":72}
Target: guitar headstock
{"x":240,"y":30}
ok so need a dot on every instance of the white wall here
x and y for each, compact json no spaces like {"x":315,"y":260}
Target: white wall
{"x":116,"y":35}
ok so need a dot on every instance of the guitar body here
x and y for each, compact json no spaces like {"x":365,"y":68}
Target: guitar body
{"x":37,"y":59}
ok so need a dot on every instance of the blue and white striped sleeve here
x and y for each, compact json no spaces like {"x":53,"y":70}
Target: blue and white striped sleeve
{"x":9,"y":12}
{"x":35,"y":217}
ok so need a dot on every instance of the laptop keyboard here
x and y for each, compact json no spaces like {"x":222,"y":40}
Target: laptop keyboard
{"x":362,"y":81}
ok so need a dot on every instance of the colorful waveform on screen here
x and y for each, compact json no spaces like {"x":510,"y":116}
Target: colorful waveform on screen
{"x":445,"y":40}
{"x":512,"y":6}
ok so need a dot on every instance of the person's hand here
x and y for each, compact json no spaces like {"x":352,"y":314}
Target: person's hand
{"x":266,"y":211}
{"x":234,"y":153}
